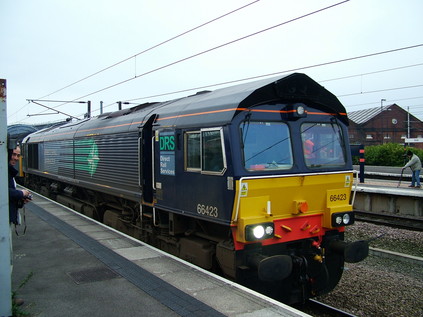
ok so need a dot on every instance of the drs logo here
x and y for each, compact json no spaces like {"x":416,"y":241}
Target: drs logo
{"x":167,"y":143}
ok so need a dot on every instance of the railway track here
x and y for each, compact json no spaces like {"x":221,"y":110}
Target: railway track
{"x":396,"y":221}
{"x":319,"y":309}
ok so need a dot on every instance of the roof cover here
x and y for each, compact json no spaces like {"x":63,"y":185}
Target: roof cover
{"x":19,"y":131}
{"x":290,"y":88}
{"x":362,"y":116}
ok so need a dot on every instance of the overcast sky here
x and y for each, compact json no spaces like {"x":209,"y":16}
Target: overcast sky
{"x":46,"y":45}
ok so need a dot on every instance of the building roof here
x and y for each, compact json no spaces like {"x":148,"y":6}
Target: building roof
{"x":19,"y":131}
{"x":362,"y":116}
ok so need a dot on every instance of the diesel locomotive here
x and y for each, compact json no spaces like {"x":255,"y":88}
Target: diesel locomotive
{"x":252,"y":181}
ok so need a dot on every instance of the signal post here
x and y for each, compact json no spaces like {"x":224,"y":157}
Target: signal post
{"x":5,"y":243}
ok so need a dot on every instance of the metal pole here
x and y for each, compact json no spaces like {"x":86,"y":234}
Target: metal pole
{"x":382,"y":130}
{"x":408,"y":124}
{"x":89,"y":109}
{"x":5,"y":249}
{"x":362,"y":162}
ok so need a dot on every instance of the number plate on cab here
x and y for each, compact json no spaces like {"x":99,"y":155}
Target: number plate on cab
{"x":338,"y":197}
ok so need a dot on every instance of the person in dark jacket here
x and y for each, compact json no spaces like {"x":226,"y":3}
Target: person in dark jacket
{"x":16,"y":200}
{"x":16,"y":197}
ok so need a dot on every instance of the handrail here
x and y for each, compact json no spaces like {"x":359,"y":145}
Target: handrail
{"x":355,"y":187}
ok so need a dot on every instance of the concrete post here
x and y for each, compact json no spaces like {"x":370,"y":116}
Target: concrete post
{"x":5,"y":268}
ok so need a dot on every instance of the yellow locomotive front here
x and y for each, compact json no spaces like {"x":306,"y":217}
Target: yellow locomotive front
{"x":293,"y":202}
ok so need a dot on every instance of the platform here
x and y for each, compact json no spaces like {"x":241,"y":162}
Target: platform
{"x":389,"y":196}
{"x":78,"y":267}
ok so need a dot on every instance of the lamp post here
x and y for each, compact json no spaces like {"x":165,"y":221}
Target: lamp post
{"x":381,"y":110}
{"x":381,"y":104}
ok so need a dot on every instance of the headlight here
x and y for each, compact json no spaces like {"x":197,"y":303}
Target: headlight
{"x":346,"y":219}
{"x":340,"y":219}
{"x":259,"y":231}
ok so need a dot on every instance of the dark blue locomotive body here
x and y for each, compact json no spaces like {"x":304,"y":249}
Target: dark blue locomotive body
{"x":224,"y":179}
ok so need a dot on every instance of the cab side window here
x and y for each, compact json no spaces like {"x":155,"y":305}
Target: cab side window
{"x":212,"y":154}
{"x":204,"y":151}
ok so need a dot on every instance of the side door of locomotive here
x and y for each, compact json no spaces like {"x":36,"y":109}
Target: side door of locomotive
{"x":146,"y":161}
{"x":207,"y":191}
{"x":190,"y":173}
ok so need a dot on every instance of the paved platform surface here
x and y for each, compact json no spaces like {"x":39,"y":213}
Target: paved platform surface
{"x":374,"y":183}
{"x":396,"y":188}
{"x":77,"y":267}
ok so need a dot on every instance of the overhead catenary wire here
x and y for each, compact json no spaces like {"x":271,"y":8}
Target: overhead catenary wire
{"x":297,"y":69}
{"x":35,"y":101}
{"x":378,"y":102}
{"x":292,"y":70}
{"x":379,"y":90}
{"x":236,"y":80}
{"x":154,"y":46}
{"x":372,"y":73}
{"x":208,"y":50}
{"x":142,"y":52}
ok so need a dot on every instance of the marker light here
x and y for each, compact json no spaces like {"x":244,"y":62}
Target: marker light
{"x":340,"y":219}
{"x":300,"y":110}
{"x":269,"y":230}
{"x":297,"y":110}
{"x":259,"y":231}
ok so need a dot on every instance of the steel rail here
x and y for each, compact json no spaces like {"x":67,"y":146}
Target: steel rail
{"x":321,"y":309}
{"x":396,"y":221}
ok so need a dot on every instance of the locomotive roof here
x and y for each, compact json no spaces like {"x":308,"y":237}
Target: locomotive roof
{"x":210,"y":108}
{"x":224,"y":103}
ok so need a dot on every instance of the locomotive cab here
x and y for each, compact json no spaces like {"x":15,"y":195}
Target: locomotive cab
{"x":292,"y":203}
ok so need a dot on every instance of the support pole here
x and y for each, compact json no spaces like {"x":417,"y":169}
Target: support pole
{"x":5,"y":249}
{"x":408,"y":124}
{"x":88,"y":109}
{"x":362,"y":163}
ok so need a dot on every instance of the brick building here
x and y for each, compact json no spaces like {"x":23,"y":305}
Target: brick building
{"x":385,"y":124}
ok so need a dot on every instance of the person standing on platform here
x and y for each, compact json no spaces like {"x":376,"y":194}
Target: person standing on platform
{"x":17,"y":198}
{"x":416,"y":165}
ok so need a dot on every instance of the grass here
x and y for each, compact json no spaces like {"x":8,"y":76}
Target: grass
{"x":17,"y":311}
